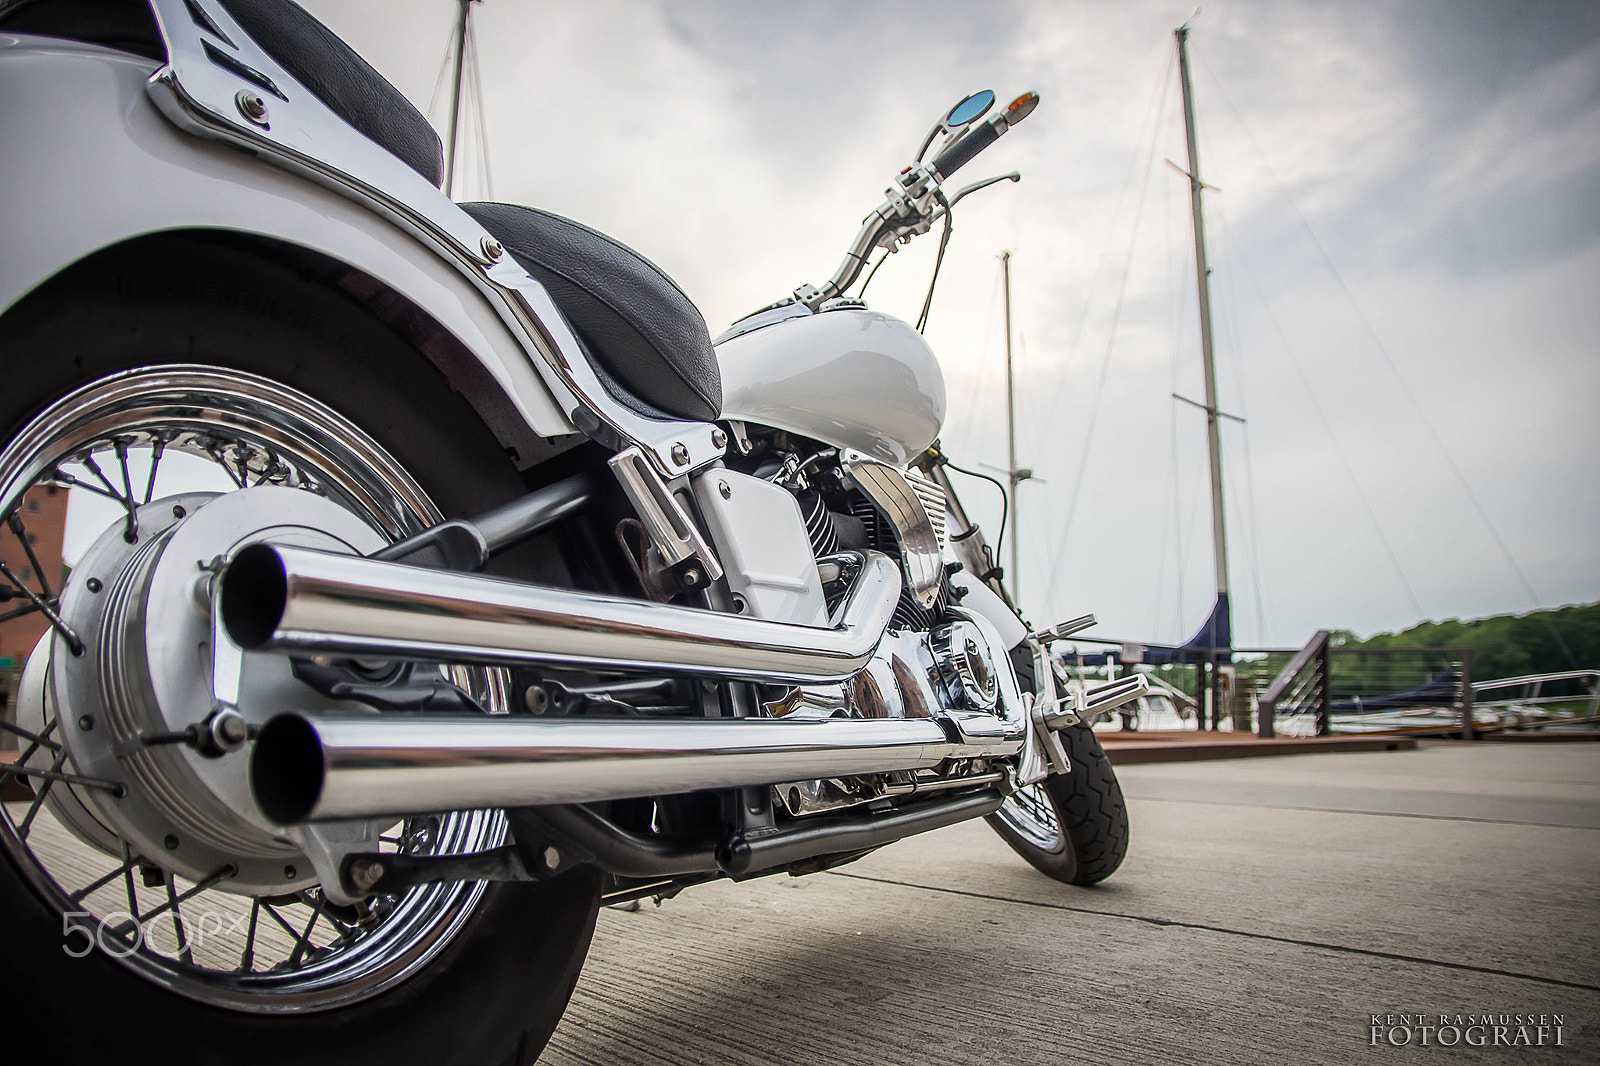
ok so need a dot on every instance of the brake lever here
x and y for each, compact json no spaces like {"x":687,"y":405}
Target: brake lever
{"x":984,"y":184}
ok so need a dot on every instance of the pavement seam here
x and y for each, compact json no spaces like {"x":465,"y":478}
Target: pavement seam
{"x":1200,"y":926}
{"x":1352,"y":810}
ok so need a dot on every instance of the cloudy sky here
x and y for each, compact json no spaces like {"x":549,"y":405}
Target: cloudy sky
{"x":1406,"y":255}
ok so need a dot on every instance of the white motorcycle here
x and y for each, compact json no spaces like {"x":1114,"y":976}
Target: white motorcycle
{"x":453,"y":582}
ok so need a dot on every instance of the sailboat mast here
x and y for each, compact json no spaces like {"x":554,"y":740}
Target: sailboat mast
{"x":1219,"y":535}
{"x":455,"y":95}
{"x":1011,"y":434}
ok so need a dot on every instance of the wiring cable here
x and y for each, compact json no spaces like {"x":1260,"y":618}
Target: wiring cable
{"x":938,"y":260}
{"x":1005,"y":508}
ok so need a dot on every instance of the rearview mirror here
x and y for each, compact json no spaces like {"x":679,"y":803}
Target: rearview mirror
{"x":970,"y":109}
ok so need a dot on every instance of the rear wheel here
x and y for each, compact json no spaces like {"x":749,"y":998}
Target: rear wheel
{"x":1072,"y":827}
{"x":184,"y":371}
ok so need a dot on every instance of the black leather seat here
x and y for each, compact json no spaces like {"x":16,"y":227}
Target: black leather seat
{"x":645,"y":334}
{"x":650,"y":343}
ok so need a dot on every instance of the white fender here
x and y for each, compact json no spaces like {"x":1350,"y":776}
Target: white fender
{"x":88,"y":161}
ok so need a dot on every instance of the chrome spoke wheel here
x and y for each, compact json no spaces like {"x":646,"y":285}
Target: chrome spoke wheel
{"x":164,"y":443}
{"x":1031,"y":815}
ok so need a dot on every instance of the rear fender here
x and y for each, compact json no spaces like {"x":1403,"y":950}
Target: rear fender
{"x":87,"y":162}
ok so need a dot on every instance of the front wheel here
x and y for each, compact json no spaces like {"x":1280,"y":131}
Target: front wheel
{"x":1072,"y":827}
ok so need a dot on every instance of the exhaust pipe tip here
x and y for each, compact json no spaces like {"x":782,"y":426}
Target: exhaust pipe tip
{"x":255,"y":592}
{"x":287,"y":770}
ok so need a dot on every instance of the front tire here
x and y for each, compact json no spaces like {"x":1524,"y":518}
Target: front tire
{"x":498,"y":963}
{"x":1072,"y":827}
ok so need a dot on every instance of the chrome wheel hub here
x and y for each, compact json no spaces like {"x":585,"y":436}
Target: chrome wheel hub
{"x":143,"y":612}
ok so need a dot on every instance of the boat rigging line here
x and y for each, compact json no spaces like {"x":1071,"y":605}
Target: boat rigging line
{"x":1394,"y":369}
{"x":1105,"y":358}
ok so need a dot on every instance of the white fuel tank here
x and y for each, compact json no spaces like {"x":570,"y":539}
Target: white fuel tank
{"x":848,"y":377}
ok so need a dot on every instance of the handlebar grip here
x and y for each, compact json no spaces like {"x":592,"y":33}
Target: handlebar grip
{"x":963,"y":151}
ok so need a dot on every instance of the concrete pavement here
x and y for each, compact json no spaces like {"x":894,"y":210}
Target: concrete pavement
{"x":1267,"y":909}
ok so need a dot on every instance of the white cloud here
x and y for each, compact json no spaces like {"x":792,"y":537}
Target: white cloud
{"x":739,"y":145}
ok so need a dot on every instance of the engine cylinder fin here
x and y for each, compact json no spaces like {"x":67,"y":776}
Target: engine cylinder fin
{"x":819,"y":527}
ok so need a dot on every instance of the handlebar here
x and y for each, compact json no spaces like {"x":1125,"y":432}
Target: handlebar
{"x":919,"y":201}
{"x":966,"y":148}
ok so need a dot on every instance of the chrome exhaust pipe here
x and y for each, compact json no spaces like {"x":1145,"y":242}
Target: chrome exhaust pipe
{"x":306,"y":768}
{"x":276,"y":597}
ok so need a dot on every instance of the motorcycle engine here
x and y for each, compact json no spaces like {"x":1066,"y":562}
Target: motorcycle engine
{"x":934,"y":660}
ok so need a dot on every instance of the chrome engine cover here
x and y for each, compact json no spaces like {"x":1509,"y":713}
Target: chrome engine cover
{"x":957,"y":673}
{"x":915,"y":507}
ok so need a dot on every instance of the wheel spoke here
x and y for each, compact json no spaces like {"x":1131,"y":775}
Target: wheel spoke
{"x":156,"y":450}
{"x":214,"y":448}
{"x":40,"y":793}
{"x":95,"y":886}
{"x":301,"y":944}
{"x":130,"y":531}
{"x":55,"y":774}
{"x":36,"y":741}
{"x":320,"y":901}
{"x":49,"y":612}
{"x":121,"y":448}
{"x":304,"y":946}
{"x":247,"y":958}
{"x":65,"y":480}
{"x":184,"y":955}
{"x":18,"y":613}
{"x":14,"y":522}
{"x":173,"y":901}
{"x":127,"y":878}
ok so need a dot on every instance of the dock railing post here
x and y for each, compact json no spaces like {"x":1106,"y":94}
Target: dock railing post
{"x":1315,"y":651}
{"x":1324,"y":687}
{"x":1266,"y":711}
{"x":1467,"y":732}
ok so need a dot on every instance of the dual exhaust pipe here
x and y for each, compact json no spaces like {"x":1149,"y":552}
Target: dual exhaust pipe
{"x":308,"y":768}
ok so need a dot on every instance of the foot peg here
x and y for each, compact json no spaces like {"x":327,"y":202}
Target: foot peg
{"x":1096,"y":700}
{"x":1063,"y":629}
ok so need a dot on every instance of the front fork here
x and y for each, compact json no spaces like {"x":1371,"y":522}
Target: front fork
{"x":966,"y":539}
{"x":1051,"y":706}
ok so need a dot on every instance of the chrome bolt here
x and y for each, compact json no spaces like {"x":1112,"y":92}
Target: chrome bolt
{"x":251,"y":106}
{"x":552,"y":858}
{"x":680,"y":455}
{"x":691,"y":577}
{"x":229,"y":730}
{"x":492,"y":249}
{"x":171,"y":842}
{"x":719,"y":439}
{"x":364,"y":873}
{"x":288,"y":873}
{"x":93,"y":584}
{"x":178,"y":510}
{"x":725,"y":489}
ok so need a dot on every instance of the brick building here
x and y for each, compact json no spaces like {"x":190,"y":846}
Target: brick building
{"x":44,"y":521}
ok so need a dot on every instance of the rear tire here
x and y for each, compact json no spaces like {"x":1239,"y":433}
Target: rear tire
{"x":496,"y":982}
{"x":1072,"y":827}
